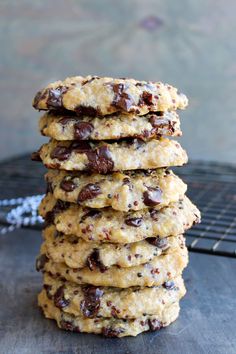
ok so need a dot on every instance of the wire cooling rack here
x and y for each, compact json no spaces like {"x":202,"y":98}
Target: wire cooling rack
{"x":211,"y":186}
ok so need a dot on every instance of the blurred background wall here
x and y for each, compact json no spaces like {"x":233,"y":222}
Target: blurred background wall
{"x":187,"y":43}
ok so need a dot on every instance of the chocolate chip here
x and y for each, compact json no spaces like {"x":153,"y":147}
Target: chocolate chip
{"x":100,"y":160}
{"x":65,"y":120}
{"x":158,"y":242}
{"x":136,"y":222}
{"x":154,"y":325}
{"x":83,"y":130}
{"x":35,"y":156}
{"x":61,"y":153}
{"x":82,"y":147}
{"x":169,"y":285}
{"x":90,"y":80}
{"x":110,"y":332}
{"x":91,"y":303}
{"x":49,"y":218}
{"x":41,"y":261}
{"x":59,"y":298}
{"x":87,"y":111}
{"x":156,"y":121}
{"x":154,"y":214}
{"x":92,"y":213}
{"x":89,"y":191}
{"x":38,"y":97}
{"x":122,"y":99}
{"x":146,"y":98}
{"x":152,"y":196}
{"x":93,"y":261}
{"x":54,"y":100}
{"x":67,"y":185}
{"x":69,"y":326}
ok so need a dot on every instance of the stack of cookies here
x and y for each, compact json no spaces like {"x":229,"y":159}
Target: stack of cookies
{"x":113,"y":251}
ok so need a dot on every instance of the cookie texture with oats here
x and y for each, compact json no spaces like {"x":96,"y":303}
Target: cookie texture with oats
{"x":124,"y":191}
{"x":77,"y":253}
{"x":109,"y":225}
{"x":104,"y":157}
{"x":114,"y":126}
{"x":108,"y":327}
{"x":90,"y":301}
{"x":93,"y":95}
{"x":154,"y":273}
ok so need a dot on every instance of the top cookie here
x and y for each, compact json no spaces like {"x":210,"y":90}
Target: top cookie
{"x":93,"y":95}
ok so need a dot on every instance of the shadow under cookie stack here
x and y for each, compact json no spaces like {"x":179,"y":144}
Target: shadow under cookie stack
{"x":113,"y":251}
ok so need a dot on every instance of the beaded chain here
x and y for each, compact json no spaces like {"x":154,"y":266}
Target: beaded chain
{"x":24,"y":214}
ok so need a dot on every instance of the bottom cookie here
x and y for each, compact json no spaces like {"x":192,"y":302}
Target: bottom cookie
{"x":109,"y":327}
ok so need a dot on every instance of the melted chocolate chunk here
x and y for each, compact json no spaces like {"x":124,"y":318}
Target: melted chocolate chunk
{"x":69,"y":326}
{"x":87,"y":111}
{"x":93,"y":213}
{"x":154,"y":325}
{"x":122,"y":99}
{"x":89,"y":191}
{"x":91,"y":303}
{"x":158,"y":242}
{"x":93,"y":261}
{"x":67,"y":185}
{"x":146,"y":98}
{"x":152,"y":196}
{"x":65,"y":120}
{"x":136,"y":222}
{"x":54,"y":100}
{"x":169,"y":285}
{"x":35,"y":156}
{"x":82,"y":147}
{"x":83,"y":130}
{"x":61,"y":153}
{"x":110,"y":332}
{"x":41,"y":261}
{"x":100,"y":160}
{"x":59,"y":298}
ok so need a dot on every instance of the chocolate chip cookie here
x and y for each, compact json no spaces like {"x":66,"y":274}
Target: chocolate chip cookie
{"x":93,"y":95}
{"x":124,"y":191}
{"x":109,"y":327}
{"x":115,"y":126}
{"x":90,"y":301}
{"x":77,"y":253}
{"x":109,"y":225}
{"x":154,"y":273}
{"x":103,"y":157}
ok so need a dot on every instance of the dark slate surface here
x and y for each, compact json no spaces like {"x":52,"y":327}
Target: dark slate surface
{"x":206,"y":325}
